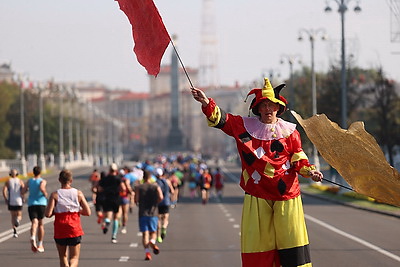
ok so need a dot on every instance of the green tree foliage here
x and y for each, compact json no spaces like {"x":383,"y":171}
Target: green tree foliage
{"x":382,"y":113}
{"x":8,"y":96}
{"x":31,"y":123}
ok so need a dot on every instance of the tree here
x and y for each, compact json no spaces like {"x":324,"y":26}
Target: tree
{"x":8,"y":96}
{"x":385,"y":107}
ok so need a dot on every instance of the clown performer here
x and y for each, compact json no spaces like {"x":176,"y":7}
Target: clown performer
{"x":273,"y":229}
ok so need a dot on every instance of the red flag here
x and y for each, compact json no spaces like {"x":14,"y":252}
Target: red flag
{"x":149,"y":33}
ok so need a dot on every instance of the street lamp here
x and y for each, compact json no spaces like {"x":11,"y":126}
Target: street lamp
{"x":291,"y":59}
{"x":22,"y":120}
{"x":41,"y":130}
{"x":70,"y":137}
{"x":313,"y":34}
{"x":342,"y":4}
{"x":61,"y":127}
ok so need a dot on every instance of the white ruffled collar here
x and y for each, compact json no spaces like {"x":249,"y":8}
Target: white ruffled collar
{"x":268,"y":131}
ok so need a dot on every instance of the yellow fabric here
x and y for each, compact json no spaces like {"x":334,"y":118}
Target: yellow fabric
{"x":268,"y":92}
{"x":305,"y":170}
{"x":246,"y":176}
{"x":269,"y":225}
{"x":215,"y":117}
{"x":269,"y":170}
{"x":298,"y":156}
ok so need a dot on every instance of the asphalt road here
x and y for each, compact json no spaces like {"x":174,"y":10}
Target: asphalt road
{"x":208,"y":235}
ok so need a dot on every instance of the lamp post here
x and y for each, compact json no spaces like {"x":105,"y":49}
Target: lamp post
{"x":70,"y":131}
{"x":291,"y":59}
{"x":41,"y":130}
{"x":22,"y":118}
{"x":61,"y":127}
{"x":313,"y":34}
{"x":342,"y":4}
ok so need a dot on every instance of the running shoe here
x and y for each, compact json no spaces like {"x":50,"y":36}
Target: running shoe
{"x":148,"y":256}
{"x":40,"y":249}
{"x":105,"y":228}
{"x":156,"y":250}
{"x":159,"y":239}
{"x":114,"y":240}
{"x":123,"y":230}
{"x":163,"y":233}
{"x":33,"y":245}
{"x":15,"y":235}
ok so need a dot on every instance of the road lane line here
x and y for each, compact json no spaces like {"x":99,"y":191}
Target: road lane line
{"x":134,"y":245}
{"x":352,"y":237}
{"x":4,"y":236}
{"x":21,"y":229}
{"x":124,"y":258}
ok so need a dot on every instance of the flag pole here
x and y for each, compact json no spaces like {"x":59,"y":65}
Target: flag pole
{"x":179,"y":58}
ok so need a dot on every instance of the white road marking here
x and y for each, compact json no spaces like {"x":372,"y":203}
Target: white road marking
{"x":123,"y":258}
{"x":133,"y":245}
{"x":4,"y":236}
{"x":354,"y":238}
{"x":21,"y":229}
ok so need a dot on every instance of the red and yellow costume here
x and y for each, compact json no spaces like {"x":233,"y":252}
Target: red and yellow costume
{"x":273,"y":231}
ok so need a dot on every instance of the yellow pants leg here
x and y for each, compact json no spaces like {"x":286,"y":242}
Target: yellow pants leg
{"x":273,"y":233}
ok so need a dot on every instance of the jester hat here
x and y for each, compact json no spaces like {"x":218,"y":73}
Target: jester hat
{"x":267,"y":92}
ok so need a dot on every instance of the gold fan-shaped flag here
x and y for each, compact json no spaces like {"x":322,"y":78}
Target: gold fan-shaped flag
{"x":356,"y":155}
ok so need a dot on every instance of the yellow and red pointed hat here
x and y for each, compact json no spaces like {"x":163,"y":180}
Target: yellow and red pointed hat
{"x":270,"y":93}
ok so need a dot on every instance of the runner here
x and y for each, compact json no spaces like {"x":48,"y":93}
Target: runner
{"x":125,"y":194}
{"x":67,"y":204}
{"x":205,"y":185}
{"x":109,"y":186}
{"x":37,"y":202}
{"x":219,"y":183}
{"x":12,"y":193}
{"x":147,"y":197}
{"x":163,"y":207}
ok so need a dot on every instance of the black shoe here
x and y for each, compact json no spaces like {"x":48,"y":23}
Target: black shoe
{"x":156,"y":250}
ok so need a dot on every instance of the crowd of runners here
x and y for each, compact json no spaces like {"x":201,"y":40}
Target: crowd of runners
{"x":154,"y":186}
{"x":144,"y":190}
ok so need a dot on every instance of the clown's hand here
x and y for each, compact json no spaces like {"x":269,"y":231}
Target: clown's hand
{"x":316,"y":175}
{"x":200,"y":96}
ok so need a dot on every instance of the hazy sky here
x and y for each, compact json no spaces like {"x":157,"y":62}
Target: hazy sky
{"x":91,"y":40}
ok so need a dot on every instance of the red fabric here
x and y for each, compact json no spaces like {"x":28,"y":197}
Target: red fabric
{"x":266,"y":187}
{"x":67,"y":225}
{"x":149,"y":33}
{"x":261,"y":259}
